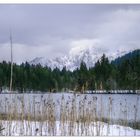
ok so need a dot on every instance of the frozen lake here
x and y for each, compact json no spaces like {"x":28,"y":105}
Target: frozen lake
{"x":114,"y":106}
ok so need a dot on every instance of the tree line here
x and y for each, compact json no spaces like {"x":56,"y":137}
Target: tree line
{"x":106,"y":75}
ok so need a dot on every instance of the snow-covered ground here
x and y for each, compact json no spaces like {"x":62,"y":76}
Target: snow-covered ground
{"x":32,"y":128}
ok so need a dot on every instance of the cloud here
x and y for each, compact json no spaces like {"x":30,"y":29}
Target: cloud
{"x":78,"y":46}
{"x":120,"y":25}
{"x":57,"y":30}
{"x":22,"y":53}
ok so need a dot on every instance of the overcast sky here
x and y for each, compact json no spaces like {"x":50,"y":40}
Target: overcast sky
{"x":56,"y":30}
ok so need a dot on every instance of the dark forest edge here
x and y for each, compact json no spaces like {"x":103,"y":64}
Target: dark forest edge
{"x":120,"y":74}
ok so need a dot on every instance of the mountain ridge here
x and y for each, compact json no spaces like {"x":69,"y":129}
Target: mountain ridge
{"x":72,"y":62}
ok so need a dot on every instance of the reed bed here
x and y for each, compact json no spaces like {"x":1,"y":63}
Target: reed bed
{"x":72,"y":116}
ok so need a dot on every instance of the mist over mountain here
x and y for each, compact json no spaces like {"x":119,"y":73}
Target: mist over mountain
{"x":72,"y":61}
{"x":127,"y":56}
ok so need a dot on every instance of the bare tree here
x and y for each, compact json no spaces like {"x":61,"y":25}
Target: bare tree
{"x":11,"y":61}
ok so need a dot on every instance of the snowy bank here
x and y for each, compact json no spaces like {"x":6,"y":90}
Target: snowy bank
{"x":57,"y":128}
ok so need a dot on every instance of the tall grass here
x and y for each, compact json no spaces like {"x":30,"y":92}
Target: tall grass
{"x":68,"y":116}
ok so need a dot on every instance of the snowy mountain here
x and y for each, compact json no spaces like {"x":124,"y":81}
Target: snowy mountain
{"x":72,"y":61}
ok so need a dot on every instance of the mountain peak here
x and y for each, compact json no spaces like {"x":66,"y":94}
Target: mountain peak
{"x":89,"y":55}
